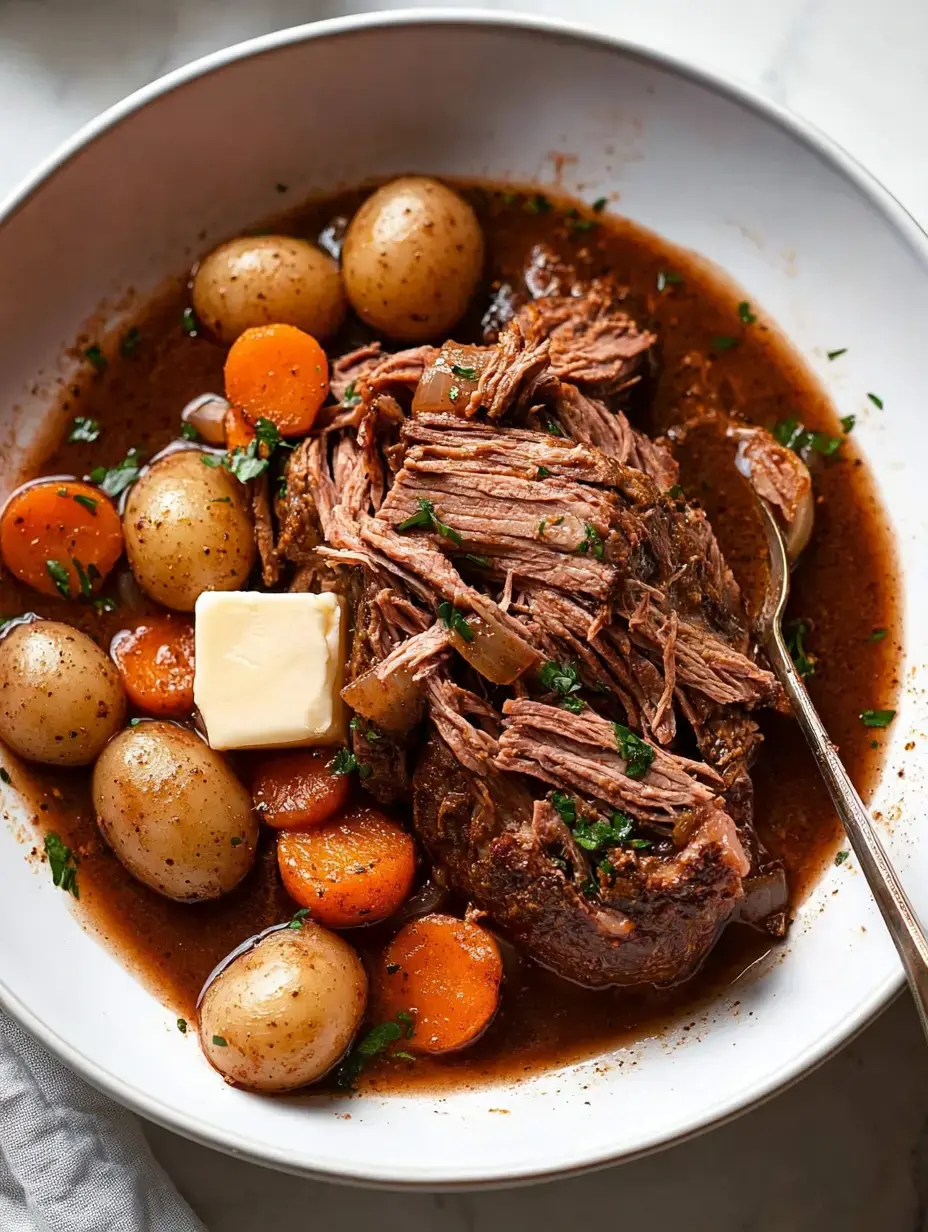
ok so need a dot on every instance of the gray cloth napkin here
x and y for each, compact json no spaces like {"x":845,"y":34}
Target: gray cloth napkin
{"x":70,"y":1159}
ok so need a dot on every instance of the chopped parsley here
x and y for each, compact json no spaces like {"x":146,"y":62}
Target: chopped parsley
{"x":129,"y":342}
{"x":84,"y":429}
{"x":115,"y":479}
{"x":840,"y":857}
{"x":563,"y":679}
{"x":245,"y":463}
{"x":565,"y":805}
{"x":745,"y":315}
{"x":794,"y":435}
{"x":5,"y":776}
{"x":96,"y":358}
{"x":235,"y":841}
{"x":538,"y":203}
{"x":104,"y":605}
{"x":427,"y":518}
{"x":847,"y":423}
{"x":182,"y":1025}
{"x":86,"y":577}
{"x":599,"y":205}
{"x":454,"y":621}
{"x":372,"y":1044}
{"x":675,"y":492}
{"x":667,"y":278}
{"x":794,"y":635}
{"x":87,"y":501}
{"x":483,"y":561}
{"x":189,"y":432}
{"x":298,"y":918}
{"x":465,"y":373}
{"x":877,"y":402}
{"x":542,"y":473}
{"x":554,"y":428}
{"x":189,"y":323}
{"x":454,"y":392}
{"x":370,"y":733}
{"x":723,"y":342}
{"x":220,"y":1041}
{"x":60,"y":576}
{"x":836,"y":354}
{"x":877,"y":718}
{"x":541,"y":528}
{"x":345,"y":762}
{"x":63,"y":863}
{"x":877,"y":635}
{"x":351,"y":397}
{"x":578,"y":225}
{"x":597,"y":834}
{"x":636,"y":753}
{"x":591,"y":542}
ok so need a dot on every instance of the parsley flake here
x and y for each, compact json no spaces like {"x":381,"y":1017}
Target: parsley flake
{"x":877,"y":402}
{"x":63,"y":863}
{"x":454,"y":621}
{"x":84,"y":429}
{"x":96,"y":358}
{"x":220,"y":1041}
{"x":345,"y":762}
{"x":182,"y":1025}
{"x":746,"y":316}
{"x":847,"y":423}
{"x":116,"y":479}
{"x":372,"y":1044}
{"x":877,"y":635}
{"x":298,"y":918}
{"x":465,"y":373}
{"x":86,"y":577}
{"x":189,"y":323}
{"x":351,"y":397}
{"x":189,"y":432}
{"x":426,"y":517}
{"x":538,"y":203}
{"x":636,"y":753}
{"x":565,"y":805}
{"x":563,"y":679}
{"x":88,"y":502}
{"x":840,"y":857}
{"x":554,"y":428}
{"x":60,"y":576}
{"x":591,"y":542}
{"x":599,"y":205}
{"x":5,"y":776}
{"x":836,"y":354}
{"x":542,"y":473}
{"x":794,"y":635}
{"x":484,"y":562}
{"x":794,"y":435}
{"x":877,"y":718}
{"x":723,"y":342}
{"x":104,"y":605}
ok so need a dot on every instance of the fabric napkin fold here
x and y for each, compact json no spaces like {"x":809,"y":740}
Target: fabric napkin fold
{"x":70,"y":1159}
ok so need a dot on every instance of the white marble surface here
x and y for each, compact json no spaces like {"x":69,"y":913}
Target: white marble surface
{"x":848,"y":1147}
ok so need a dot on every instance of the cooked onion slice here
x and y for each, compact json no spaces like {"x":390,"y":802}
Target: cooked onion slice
{"x":447,"y":383}
{"x":498,"y":655}
{"x":394,"y":704}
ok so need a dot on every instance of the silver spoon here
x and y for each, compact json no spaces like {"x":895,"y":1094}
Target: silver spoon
{"x":891,"y":899}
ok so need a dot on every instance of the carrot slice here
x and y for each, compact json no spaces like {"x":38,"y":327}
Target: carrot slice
{"x":356,"y":870}
{"x":296,"y":790}
{"x":237,"y":428}
{"x":155,"y":661}
{"x":280,"y":373}
{"x":446,"y":973}
{"x":61,"y":537}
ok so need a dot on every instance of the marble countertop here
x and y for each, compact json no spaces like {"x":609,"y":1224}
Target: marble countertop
{"x":847,"y":1148}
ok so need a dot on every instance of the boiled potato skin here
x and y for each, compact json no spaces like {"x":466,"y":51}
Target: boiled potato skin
{"x":412,"y":258}
{"x":268,"y":280}
{"x":188,"y":528}
{"x":61,"y":697}
{"x":173,"y":812}
{"x":286,"y":1010}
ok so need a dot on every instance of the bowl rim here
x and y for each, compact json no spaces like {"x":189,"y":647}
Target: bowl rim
{"x":829,"y":152}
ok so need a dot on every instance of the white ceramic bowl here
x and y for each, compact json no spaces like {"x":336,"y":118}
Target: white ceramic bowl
{"x":809,"y":236}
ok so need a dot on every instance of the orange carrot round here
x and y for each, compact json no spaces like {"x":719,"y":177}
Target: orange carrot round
{"x":446,"y":973}
{"x":237,"y":428}
{"x":60,"y":536}
{"x":280,"y":373}
{"x":296,"y":790}
{"x":352,"y":871}
{"x":155,"y":661}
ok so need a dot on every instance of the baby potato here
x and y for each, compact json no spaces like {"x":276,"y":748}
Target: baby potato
{"x":412,"y":258}
{"x":173,"y":812}
{"x":268,"y":280}
{"x":188,"y":528}
{"x":61,"y":698}
{"x":283,"y":1013}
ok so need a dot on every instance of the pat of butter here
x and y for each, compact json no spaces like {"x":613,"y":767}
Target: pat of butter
{"x":269,"y":669}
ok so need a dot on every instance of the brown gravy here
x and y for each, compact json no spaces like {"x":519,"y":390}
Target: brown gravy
{"x":845,"y":587}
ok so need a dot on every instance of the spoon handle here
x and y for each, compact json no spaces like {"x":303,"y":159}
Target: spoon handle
{"x":891,"y":899}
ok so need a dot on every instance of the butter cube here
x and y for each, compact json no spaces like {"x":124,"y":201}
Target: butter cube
{"x":269,"y":669}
